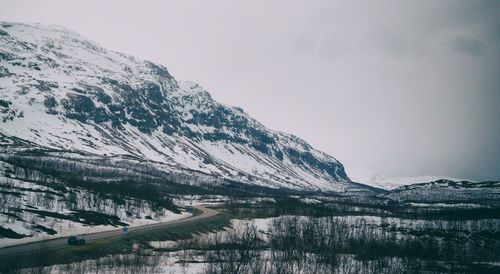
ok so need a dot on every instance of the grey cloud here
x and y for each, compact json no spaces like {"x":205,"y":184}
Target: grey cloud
{"x":468,"y":46}
{"x":330,"y":47}
{"x":304,"y":43}
{"x":390,"y":43}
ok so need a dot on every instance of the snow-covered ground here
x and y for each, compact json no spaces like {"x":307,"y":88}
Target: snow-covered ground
{"x":35,"y":207}
{"x":185,"y":258}
{"x":68,"y":228}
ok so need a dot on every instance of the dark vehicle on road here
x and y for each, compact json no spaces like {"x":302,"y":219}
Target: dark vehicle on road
{"x":76,"y":240}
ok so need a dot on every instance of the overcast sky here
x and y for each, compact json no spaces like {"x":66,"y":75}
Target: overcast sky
{"x":405,"y":88}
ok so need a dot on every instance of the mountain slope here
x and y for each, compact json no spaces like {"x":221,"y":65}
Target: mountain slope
{"x":64,"y":92}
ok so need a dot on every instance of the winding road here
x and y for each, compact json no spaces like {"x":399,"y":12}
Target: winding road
{"x":61,"y":243}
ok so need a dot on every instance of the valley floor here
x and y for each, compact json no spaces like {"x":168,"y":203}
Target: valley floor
{"x":307,"y":243}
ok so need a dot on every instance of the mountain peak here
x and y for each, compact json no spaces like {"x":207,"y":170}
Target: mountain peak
{"x":64,"y":92}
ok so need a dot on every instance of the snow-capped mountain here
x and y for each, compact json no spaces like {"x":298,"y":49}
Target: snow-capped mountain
{"x":63,"y":92}
{"x":396,"y":182}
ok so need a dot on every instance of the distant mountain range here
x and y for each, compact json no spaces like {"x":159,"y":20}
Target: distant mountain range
{"x":375,"y":179}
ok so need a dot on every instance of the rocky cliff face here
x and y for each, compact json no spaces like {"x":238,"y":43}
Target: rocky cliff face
{"x":64,"y":92}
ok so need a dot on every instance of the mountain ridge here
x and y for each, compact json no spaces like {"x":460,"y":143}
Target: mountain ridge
{"x":63,"y":91}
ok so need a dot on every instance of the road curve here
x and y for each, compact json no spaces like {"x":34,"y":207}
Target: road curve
{"x":61,"y":243}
